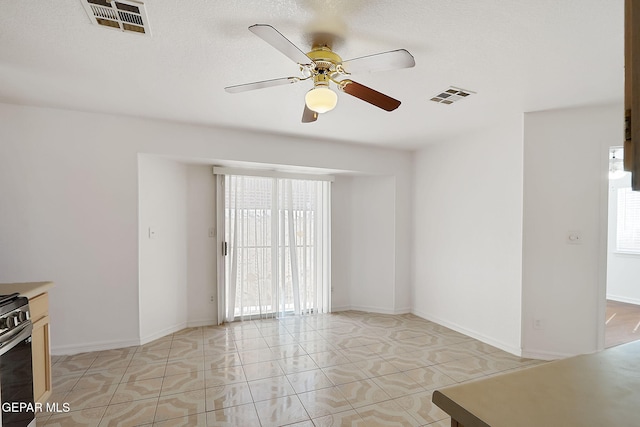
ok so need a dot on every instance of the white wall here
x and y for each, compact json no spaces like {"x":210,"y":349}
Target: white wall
{"x":372,"y":244}
{"x":468,"y":228}
{"x":565,"y":187}
{"x":623,"y":270}
{"x":69,"y":210}
{"x":69,"y":213}
{"x":201,"y":247}
{"x":404,"y":235}
{"x":178,"y":266}
{"x":163,"y":256}
{"x":341,"y":226}
{"x":363,"y":244}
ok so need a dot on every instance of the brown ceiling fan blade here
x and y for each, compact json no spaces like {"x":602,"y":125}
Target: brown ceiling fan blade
{"x":369,"y":95}
{"x":308,"y":115}
{"x":261,"y":85}
{"x":391,"y":60}
{"x":280,"y":42}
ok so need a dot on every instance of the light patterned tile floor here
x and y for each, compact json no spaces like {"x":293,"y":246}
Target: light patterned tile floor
{"x":342,"y":369}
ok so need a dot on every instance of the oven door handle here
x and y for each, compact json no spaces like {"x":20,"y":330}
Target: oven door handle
{"x":15,"y":337}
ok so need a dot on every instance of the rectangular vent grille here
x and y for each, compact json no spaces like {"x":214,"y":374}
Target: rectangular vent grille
{"x":451,"y":95}
{"x":124,"y":15}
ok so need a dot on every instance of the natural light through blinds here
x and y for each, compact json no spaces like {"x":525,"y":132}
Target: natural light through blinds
{"x":628,"y":221}
{"x":278,"y":238}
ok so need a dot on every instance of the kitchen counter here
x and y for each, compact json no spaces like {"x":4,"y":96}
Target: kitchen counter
{"x":600,"y":389}
{"x":27,"y":289}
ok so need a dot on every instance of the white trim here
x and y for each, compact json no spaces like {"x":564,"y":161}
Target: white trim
{"x":202,"y":322}
{"x":162,"y":333}
{"x":545,"y":355}
{"x":64,"y":350}
{"x":221,"y":170}
{"x":603,"y":239}
{"x":220,"y":257}
{"x":470,"y":333}
{"x":626,"y":253}
{"x":369,"y":309}
{"x":326,"y":246}
{"x":110,"y":345}
{"x":623,"y":299}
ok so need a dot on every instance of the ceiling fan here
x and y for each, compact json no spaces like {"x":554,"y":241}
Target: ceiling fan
{"x":325,"y":66}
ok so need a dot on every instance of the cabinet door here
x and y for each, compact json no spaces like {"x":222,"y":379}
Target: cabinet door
{"x":40,"y":348}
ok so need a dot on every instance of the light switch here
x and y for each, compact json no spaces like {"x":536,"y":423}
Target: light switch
{"x":212,"y":232}
{"x":153,"y":233}
{"x":538,"y":324}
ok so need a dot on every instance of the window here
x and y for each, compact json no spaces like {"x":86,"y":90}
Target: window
{"x":628,"y":221}
{"x":276,"y":231}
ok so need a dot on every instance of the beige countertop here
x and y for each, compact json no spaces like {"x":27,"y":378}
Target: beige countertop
{"x":27,"y":289}
{"x":600,"y":389}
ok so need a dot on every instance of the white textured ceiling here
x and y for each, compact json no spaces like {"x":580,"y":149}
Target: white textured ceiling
{"x":518,"y":55}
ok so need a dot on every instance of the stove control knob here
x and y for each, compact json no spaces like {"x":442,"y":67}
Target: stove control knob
{"x":9,"y":322}
{"x":14,"y":320}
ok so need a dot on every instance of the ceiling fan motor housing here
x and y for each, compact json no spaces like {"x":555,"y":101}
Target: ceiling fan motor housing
{"x":326,"y":60}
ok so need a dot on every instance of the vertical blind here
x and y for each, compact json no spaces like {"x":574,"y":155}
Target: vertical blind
{"x":628,"y":221}
{"x":277,"y":232}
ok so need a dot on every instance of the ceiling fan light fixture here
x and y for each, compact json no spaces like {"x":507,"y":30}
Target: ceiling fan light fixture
{"x":321,"y":99}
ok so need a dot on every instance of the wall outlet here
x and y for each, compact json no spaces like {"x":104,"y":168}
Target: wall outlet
{"x":153,"y":233}
{"x":212,"y":299}
{"x":538,"y":324}
{"x":574,"y":237}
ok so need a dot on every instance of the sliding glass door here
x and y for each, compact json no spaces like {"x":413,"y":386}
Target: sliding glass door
{"x":276,"y":246}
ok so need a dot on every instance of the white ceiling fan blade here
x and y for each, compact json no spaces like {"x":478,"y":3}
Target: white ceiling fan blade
{"x":280,"y":42}
{"x":391,"y":60}
{"x":262,"y":84}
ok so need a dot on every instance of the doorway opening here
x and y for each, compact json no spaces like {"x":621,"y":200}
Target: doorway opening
{"x":623,"y":255}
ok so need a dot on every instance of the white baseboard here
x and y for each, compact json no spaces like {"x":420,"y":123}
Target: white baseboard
{"x":369,"y":309}
{"x":628,"y":300}
{"x":198,"y":323}
{"x":162,"y":333}
{"x":544,"y":355}
{"x":65,"y":350}
{"x":471,"y":333}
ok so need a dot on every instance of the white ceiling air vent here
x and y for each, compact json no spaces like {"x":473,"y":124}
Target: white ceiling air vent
{"x":451,"y":95}
{"x":122,"y":15}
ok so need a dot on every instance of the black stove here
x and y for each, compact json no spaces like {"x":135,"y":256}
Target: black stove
{"x":14,"y":310}
{"x":16,"y":373}
{"x":7,"y":298}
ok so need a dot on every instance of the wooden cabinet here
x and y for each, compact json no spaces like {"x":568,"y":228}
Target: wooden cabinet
{"x":38,"y":295}
{"x":41,"y":347}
